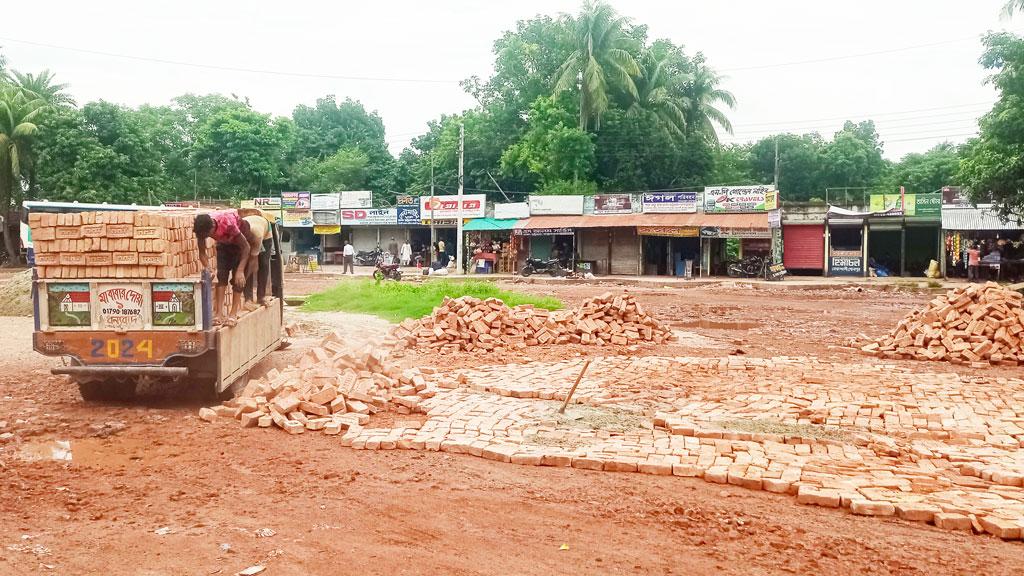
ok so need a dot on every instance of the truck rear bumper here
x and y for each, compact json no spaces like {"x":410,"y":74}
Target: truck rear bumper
{"x":108,"y":371}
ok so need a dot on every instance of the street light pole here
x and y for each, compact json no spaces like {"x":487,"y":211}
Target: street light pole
{"x":462,"y":153}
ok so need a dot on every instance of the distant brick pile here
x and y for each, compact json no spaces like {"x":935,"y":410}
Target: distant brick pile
{"x":977,"y":325}
{"x":331,"y":389}
{"x":469,"y":324}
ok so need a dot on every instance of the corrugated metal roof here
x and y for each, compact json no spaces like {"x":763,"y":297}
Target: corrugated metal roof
{"x":971,"y":218}
{"x":696,"y":220}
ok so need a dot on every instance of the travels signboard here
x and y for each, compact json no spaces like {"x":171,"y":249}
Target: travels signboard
{"x":846,"y":263}
{"x":371,"y":217}
{"x":919,"y":205}
{"x":556,"y":205}
{"x":759,"y":198}
{"x":512,"y":210}
{"x":613,"y":204}
{"x":447,"y":207}
{"x":670,"y":202}
{"x":356,"y":199}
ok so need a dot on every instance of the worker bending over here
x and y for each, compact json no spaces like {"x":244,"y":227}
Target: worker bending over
{"x":258,"y":269}
{"x":234,"y":240}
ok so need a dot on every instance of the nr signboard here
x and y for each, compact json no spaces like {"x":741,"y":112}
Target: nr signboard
{"x":447,"y":207}
{"x":670,"y":202}
{"x":758,"y":198}
{"x":613,"y":204}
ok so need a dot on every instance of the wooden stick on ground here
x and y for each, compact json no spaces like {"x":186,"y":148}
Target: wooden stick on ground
{"x":573,"y":389}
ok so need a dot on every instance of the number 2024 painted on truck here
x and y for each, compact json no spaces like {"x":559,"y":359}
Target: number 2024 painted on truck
{"x":121,"y":348}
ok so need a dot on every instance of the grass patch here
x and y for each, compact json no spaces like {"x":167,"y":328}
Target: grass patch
{"x":396,"y":301}
{"x":766,"y":426}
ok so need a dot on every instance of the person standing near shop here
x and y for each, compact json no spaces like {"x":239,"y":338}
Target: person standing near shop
{"x":405,"y":254}
{"x":393,"y":251}
{"x":973,"y":262}
{"x":348,"y":254}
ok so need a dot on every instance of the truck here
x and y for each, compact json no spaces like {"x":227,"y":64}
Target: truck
{"x":117,"y":334}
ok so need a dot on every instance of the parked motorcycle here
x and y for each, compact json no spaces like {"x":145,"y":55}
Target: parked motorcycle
{"x":382,"y":271}
{"x":538,"y":266}
{"x":367,"y":257}
{"x":750,"y":267}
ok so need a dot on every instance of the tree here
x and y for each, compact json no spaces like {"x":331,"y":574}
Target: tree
{"x":346,"y":169}
{"x":18,"y":111}
{"x":926,"y":172}
{"x":552,"y":149}
{"x":246,"y":147}
{"x":992,"y":167}
{"x":43,"y":86}
{"x":656,"y":90}
{"x":703,"y":95}
{"x":732,"y":165}
{"x":1011,"y":7}
{"x":854,"y":157}
{"x":802,"y":168}
{"x":599,"y":63}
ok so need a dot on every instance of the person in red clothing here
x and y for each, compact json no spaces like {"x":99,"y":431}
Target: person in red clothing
{"x":231,"y":233}
{"x":973,"y":262}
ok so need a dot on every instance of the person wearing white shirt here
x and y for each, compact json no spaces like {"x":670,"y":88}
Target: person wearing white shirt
{"x":405,"y":254}
{"x":348,"y":253}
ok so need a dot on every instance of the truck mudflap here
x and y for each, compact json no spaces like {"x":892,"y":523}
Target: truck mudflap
{"x":99,"y":372}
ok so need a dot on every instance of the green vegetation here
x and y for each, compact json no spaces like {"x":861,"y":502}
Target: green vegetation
{"x":396,"y":301}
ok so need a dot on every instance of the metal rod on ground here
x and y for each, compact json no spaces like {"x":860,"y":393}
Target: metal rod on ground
{"x":573,"y":389}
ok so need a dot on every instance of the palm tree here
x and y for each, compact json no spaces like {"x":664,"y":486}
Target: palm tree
{"x":599,"y":61}
{"x":657,"y":91}
{"x":43,"y":86}
{"x":702,"y":95}
{"x":18,"y":109}
{"x":1011,"y":7}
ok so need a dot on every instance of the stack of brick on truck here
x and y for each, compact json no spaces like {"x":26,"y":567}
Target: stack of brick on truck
{"x":118,"y":291}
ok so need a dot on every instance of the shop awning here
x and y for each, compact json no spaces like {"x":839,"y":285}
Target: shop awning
{"x":971,"y":218}
{"x":695,"y":220}
{"x":481,"y":224}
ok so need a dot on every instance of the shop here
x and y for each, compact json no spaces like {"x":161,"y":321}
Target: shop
{"x":1001,"y":244}
{"x":903,"y":233}
{"x":671,"y":250}
{"x":543,"y":244}
{"x":721,"y":245}
{"x":845,"y":242}
{"x":489,"y":245}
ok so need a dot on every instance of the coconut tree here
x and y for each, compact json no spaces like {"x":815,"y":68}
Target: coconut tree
{"x":1012,"y":7}
{"x":702,"y":98}
{"x":657,"y":91}
{"x":43,"y":86}
{"x":600,"y":61}
{"x":18,"y":109}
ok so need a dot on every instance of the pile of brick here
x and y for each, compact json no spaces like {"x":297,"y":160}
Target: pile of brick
{"x":470,"y":324}
{"x":114,"y":244}
{"x":976,"y":324}
{"x":331,"y":389}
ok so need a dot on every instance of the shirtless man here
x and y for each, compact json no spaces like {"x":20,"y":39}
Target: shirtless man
{"x":233,"y":238}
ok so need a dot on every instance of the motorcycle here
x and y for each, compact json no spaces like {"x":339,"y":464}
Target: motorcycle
{"x":367,"y":257}
{"x":750,"y":267}
{"x":382,"y":271}
{"x":538,"y":266}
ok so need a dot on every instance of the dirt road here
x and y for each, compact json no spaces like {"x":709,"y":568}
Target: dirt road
{"x":151,"y":490}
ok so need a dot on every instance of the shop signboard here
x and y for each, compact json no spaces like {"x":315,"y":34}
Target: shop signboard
{"x":356,"y":199}
{"x":406,"y":200}
{"x":775,"y":218}
{"x":759,"y":198}
{"x":777,"y":272}
{"x":928,"y":205}
{"x":734,"y":232}
{"x":326,"y":230}
{"x":325,"y":201}
{"x":919,"y":205}
{"x":371,"y":217}
{"x":447,"y":207}
{"x":673,"y":231}
{"x":68,"y":304}
{"x":846,"y":263}
{"x":670,"y":202}
{"x":512,"y":210}
{"x":265,"y":203}
{"x":296,"y":201}
{"x":556,"y":205}
{"x":542,"y":232}
{"x":708,"y":232}
{"x":182,"y":204}
{"x":408,"y":215}
{"x":120,"y":307}
{"x":954,"y":196}
{"x":174,"y":304}
{"x":297,"y":218}
{"x":613,"y":204}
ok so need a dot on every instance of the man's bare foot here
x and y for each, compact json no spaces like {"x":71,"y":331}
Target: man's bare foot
{"x":218,"y":321}
{"x":250,"y":306}
{"x":265,"y":302}
{"x":230,"y":321}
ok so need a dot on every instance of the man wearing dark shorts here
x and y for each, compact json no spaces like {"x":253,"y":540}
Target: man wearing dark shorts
{"x":231,"y":233}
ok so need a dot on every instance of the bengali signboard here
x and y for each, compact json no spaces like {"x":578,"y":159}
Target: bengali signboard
{"x":777,"y":272}
{"x":406,"y":200}
{"x":846,"y":263}
{"x":327,"y":230}
{"x":759,"y":198}
{"x":512,"y":210}
{"x":613,"y":204}
{"x":556,"y":205}
{"x":670,"y":202}
{"x":68,"y":305}
{"x":775,"y":219}
{"x":919,"y":205}
{"x":297,"y":218}
{"x":542,"y":232}
{"x":674,"y":231}
{"x":174,"y":304}
{"x":325,"y":202}
{"x":734,"y":232}
{"x":408,"y":215}
{"x":120,"y":307}
{"x":447,"y":207}
{"x":296,"y":201}
{"x":371,"y":217}
{"x":356,"y":199}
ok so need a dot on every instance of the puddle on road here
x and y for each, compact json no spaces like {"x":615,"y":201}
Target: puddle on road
{"x":88,"y":451}
{"x":716,"y":324}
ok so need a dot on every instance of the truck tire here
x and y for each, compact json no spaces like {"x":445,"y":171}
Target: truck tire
{"x":107,"y":390}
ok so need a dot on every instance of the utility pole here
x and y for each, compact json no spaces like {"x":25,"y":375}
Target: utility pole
{"x":776,"y":163}
{"x":462,"y":155}
{"x":433,"y":235}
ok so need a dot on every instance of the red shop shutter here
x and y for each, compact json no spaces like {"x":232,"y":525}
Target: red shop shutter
{"x":803,"y":246}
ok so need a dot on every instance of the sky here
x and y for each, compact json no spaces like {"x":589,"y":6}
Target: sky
{"x":793,"y":65}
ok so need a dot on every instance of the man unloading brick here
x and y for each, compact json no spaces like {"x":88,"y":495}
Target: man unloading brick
{"x":234,"y":238}
{"x":258,"y":267}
